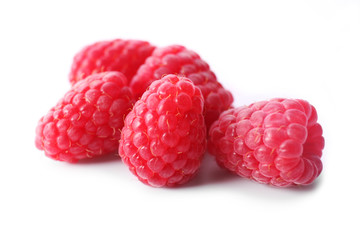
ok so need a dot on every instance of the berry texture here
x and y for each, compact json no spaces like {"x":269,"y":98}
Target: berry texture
{"x":178,"y":60}
{"x":277,"y":142}
{"x":87,"y":121}
{"x":163,"y":139}
{"x":124,"y":56}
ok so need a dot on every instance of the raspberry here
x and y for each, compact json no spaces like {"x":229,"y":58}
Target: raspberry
{"x":178,"y":60}
{"x":124,"y":56}
{"x":87,"y":121}
{"x":163,"y":139}
{"x":277,"y":142}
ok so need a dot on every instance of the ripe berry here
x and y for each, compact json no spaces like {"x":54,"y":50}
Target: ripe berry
{"x":163,"y":139}
{"x":124,"y":56}
{"x":278,"y":142}
{"x":87,"y":121}
{"x":178,"y":60}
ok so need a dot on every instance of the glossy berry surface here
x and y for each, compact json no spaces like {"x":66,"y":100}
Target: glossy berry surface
{"x":124,"y":56}
{"x":163,"y":139}
{"x":87,"y":121}
{"x":277,"y":142}
{"x":178,"y":60}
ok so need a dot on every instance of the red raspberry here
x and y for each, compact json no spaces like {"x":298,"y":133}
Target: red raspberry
{"x":87,"y":121}
{"x":163,"y":139}
{"x":278,"y":142}
{"x":124,"y":56}
{"x":181,"y":61}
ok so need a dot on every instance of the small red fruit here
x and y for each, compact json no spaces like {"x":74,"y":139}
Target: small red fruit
{"x":178,"y":60}
{"x":120,"y":55}
{"x":163,"y":139}
{"x":87,"y":121}
{"x":277,"y":142}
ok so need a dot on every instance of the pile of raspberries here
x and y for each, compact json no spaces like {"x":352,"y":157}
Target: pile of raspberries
{"x":161,"y":108}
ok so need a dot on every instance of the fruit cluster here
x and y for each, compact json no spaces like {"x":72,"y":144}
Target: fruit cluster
{"x":162,"y":107}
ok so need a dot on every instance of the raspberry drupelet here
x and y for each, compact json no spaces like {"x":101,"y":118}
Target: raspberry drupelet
{"x":277,"y":142}
{"x":176,"y":59}
{"x":87,"y":121}
{"x":164,"y":136}
{"x":124,"y":56}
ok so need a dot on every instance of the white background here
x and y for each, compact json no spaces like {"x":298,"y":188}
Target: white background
{"x":258,"y":49}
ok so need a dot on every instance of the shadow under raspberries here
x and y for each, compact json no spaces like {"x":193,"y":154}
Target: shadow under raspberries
{"x":210,"y":173}
{"x":307,"y":188}
{"x":110,"y":157}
